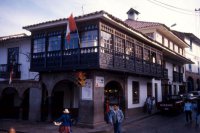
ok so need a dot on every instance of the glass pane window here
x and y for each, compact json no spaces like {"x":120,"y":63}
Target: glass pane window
{"x":138,"y":51}
{"x":130,"y":48}
{"x":39,"y":45}
{"x":146,"y":54}
{"x":89,"y":39}
{"x":54,"y":43}
{"x":74,"y":42}
{"x":136,"y":92}
{"x":106,"y":40}
{"x":119,"y":45}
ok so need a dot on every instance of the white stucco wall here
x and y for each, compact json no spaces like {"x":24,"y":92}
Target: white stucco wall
{"x":193,"y":55}
{"x":24,"y":48}
{"x":142,"y":90}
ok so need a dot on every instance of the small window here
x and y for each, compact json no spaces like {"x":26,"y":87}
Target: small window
{"x":190,"y":67}
{"x":136,"y":92}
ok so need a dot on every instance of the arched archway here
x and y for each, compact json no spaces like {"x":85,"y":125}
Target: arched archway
{"x":190,"y":84}
{"x":65,"y":94}
{"x":10,"y":103}
{"x":114,"y":93}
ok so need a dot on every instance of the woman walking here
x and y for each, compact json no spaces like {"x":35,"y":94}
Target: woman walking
{"x":65,"y":122}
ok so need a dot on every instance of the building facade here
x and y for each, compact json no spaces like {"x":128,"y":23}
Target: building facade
{"x":192,"y":53}
{"x":173,"y":81}
{"x":118,"y":63}
{"x":15,"y":97}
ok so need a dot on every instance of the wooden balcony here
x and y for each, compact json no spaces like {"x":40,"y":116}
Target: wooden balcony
{"x":177,"y":77}
{"x":5,"y":70}
{"x":93,"y":58}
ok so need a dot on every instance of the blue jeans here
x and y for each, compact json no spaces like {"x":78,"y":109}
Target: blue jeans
{"x":117,"y":127}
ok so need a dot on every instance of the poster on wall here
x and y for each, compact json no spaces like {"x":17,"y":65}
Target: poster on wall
{"x":99,"y":81}
{"x":87,"y":90}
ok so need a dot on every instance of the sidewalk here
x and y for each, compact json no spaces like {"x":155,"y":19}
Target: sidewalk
{"x":46,"y":127}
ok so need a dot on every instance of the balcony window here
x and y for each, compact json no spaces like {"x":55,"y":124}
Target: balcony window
{"x":130,"y":48}
{"x":54,"y":43}
{"x":106,"y":40}
{"x":39,"y":45}
{"x":153,"y":57}
{"x":146,"y":54}
{"x":138,"y":51}
{"x":159,"y":59}
{"x":119,"y":45}
{"x":89,"y":38}
{"x":74,"y":42}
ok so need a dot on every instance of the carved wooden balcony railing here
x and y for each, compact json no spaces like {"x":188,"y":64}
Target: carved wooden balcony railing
{"x":93,"y":58}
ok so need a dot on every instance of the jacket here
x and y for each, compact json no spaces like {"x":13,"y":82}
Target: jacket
{"x":116,"y":116}
{"x":65,"y":119}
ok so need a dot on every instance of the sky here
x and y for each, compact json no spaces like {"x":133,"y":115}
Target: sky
{"x":14,"y":14}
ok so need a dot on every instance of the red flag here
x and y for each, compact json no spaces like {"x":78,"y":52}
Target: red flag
{"x":71,"y":26}
{"x":11,"y":75}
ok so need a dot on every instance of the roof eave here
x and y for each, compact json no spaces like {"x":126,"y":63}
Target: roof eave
{"x":60,"y":22}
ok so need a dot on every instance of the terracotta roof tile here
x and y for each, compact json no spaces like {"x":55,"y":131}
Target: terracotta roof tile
{"x":140,"y":24}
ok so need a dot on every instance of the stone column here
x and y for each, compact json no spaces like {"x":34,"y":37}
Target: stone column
{"x":49,"y":99}
{"x":35,"y":98}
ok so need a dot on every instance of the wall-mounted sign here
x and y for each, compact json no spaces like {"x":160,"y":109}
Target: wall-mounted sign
{"x":87,"y":90}
{"x":99,"y":81}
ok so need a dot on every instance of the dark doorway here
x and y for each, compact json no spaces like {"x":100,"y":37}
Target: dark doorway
{"x":149,"y":89}
{"x":190,"y":84}
{"x":44,"y":103}
{"x":113,"y":92}
{"x":156,"y":92}
{"x":25,"y":105}
{"x":9,"y":104}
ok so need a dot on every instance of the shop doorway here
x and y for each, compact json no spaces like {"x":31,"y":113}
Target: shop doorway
{"x":190,"y":84}
{"x":114,"y":93}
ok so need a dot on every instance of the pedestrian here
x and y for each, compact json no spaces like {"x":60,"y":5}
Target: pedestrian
{"x":116,"y":118}
{"x":64,"y":122}
{"x":197,"y":110}
{"x":106,"y":110}
{"x":188,"y":111}
{"x":149,"y":104}
{"x":11,"y":130}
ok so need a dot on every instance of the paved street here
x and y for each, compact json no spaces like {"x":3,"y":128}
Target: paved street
{"x":162,"y":124}
{"x":154,"y":124}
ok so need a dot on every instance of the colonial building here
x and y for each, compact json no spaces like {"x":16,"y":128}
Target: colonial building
{"x":116,"y":61}
{"x":173,"y":81}
{"x":15,"y":97}
{"x":192,"y":53}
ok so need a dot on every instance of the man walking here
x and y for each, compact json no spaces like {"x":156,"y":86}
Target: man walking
{"x":116,"y":118}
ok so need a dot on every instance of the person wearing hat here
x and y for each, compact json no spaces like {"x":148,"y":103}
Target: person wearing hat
{"x":64,"y":122}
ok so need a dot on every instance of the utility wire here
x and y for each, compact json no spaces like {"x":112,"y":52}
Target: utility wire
{"x":171,"y":8}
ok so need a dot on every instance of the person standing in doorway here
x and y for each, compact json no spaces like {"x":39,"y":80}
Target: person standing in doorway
{"x":116,"y":118}
{"x":188,"y":111}
{"x":149,"y":104}
{"x":65,"y":121}
{"x":106,"y":110}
